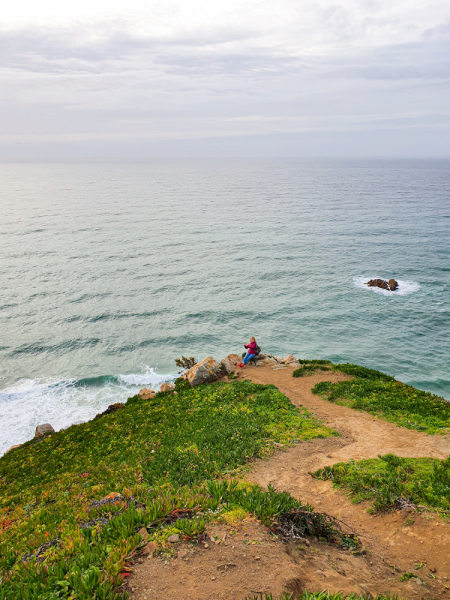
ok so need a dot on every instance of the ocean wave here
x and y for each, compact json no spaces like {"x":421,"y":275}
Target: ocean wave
{"x":440,"y":387}
{"x":64,"y":401}
{"x":404,"y":287}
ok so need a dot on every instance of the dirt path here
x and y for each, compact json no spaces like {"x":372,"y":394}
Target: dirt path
{"x":363,"y":436}
{"x":243,"y":559}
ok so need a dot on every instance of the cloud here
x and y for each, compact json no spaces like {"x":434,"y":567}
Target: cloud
{"x":330,"y":67}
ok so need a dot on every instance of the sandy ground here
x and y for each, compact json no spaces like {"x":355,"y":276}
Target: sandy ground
{"x":245,"y":560}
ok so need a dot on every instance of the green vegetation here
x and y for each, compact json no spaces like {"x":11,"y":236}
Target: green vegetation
{"x":304,"y":361}
{"x":390,"y":481}
{"x":382,"y":395}
{"x":185,"y":362}
{"x":160,"y":462}
{"x":309,"y":370}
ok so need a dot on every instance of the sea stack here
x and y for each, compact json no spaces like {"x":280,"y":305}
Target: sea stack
{"x":391,"y":286}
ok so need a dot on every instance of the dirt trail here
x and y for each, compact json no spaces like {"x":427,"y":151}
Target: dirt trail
{"x":245,"y":559}
{"x":388,"y":536}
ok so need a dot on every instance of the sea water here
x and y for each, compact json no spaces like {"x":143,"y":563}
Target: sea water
{"x":110,"y":271}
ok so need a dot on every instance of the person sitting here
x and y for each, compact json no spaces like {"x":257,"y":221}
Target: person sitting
{"x":251,"y":351}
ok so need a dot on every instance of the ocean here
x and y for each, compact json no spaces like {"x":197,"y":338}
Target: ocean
{"x":110,"y":271}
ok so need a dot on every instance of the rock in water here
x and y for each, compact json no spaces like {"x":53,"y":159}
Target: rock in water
{"x":393,"y":284}
{"x":45,"y":428}
{"x":167,"y":387}
{"x":203,"y":372}
{"x":384,"y":285}
{"x":230,"y":362}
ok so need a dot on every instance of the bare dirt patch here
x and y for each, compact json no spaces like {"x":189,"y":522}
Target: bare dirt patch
{"x":247,"y":561}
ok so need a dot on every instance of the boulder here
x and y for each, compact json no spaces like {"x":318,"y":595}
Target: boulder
{"x":167,"y":387}
{"x":278,"y":359}
{"x":146,"y":394}
{"x":393,"y":284}
{"x":230,"y":363}
{"x":384,"y":285}
{"x":45,"y":428}
{"x":203,"y":372}
{"x":260,"y":357}
{"x":269,"y":361}
{"x":289,"y":359}
{"x":149,"y":549}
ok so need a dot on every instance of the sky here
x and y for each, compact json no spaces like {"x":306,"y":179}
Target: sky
{"x":135,"y":79}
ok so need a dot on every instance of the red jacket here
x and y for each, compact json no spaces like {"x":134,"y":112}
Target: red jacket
{"x":251,"y":347}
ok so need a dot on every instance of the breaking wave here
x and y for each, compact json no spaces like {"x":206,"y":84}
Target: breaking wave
{"x":64,"y":401}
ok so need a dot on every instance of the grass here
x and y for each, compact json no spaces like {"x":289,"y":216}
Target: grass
{"x":388,"y":480}
{"x":160,"y":455}
{"x":383,"y":396}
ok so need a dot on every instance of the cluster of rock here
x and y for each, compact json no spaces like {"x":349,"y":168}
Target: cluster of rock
{"x":390,"y":285}
{"x":148,"y":394}
{"x":210,"y":370}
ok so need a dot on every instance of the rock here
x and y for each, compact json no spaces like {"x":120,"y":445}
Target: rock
{"x":230,"y":362}
{"x":259,"y":357}
{"x":270,"y":361}
{"x":203,"y":372}
{"x":174,"y":538}
{"x":143,"y":533}
{"x":289,"y":359}
{"x":13,"y":448}
{"x":167,"y":387}
{"x":393,"y":284}
{"x":384,"y":285}
{"x":112,"y":408}
{"x":278,"y":359}
{"x":150,"y":548}
{"x":45,"y":428}
{"x":146,"y":394}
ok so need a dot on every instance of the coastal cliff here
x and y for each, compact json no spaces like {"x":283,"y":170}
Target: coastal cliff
{"x":226,"y":486}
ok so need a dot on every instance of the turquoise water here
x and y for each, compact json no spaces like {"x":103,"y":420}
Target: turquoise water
{"x":109,"y":271}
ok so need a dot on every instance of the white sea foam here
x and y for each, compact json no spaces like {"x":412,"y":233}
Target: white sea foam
{"x":62,"y":402}
{"x":404,"y":287}
{"x":151,"y":378}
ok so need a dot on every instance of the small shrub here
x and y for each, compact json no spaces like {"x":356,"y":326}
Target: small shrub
{"x":303,"y":361}
{"x":185,"y":363}
{"x":309,"y":369}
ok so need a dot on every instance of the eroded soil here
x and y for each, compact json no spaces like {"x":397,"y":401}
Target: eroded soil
{"x":247,"y":560}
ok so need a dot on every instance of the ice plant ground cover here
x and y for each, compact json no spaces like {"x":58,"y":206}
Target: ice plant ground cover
{"x":381,"y":395}
{"x":391,"y":480}
{"x":171,"y":452}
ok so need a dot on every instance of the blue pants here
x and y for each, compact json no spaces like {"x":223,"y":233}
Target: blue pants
{"x":248,"y":357}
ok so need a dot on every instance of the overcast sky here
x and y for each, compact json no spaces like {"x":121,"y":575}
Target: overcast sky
{"x":97,"y":78}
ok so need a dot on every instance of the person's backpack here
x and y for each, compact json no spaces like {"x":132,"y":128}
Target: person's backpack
{"x":257,"y":350}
